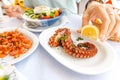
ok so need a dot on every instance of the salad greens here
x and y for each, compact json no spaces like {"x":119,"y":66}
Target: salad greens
{"x":53,"y":12}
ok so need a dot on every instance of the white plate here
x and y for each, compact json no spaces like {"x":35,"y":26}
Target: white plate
{"x":100,"y":63}
{"x":30,"y":35}
{"x":62,"y":21}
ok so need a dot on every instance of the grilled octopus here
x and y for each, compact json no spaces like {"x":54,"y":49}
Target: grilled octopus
{"x":62,"y":37}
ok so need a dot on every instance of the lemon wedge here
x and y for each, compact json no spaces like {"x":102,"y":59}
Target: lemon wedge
{"x":90,"y":31}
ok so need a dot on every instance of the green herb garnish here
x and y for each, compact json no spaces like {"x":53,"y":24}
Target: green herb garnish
{"x":79,"y":38}
{"x":65,"y":36}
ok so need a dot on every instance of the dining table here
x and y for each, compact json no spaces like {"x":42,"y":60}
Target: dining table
{"x":40,"y":65}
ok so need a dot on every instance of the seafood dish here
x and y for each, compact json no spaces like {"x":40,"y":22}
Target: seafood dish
{"x":13,"y":43}
{"x":62,"y":37}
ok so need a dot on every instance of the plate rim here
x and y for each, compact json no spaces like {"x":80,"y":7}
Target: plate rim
{"x":62,"y":22}
{"x":30,"y":29}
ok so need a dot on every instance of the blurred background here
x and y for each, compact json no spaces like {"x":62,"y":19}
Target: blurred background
{"x":116,"y":3}
{"x":81,"y":5}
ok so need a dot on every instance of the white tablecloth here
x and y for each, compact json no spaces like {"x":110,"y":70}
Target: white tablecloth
{"x":42,"y":66}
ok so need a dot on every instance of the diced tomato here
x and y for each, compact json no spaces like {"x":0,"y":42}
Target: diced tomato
{"x":46,"y":17}
{"x":56,"y":13}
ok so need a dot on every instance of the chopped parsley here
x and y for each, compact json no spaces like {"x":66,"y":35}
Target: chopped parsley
{"x":79,"y":38}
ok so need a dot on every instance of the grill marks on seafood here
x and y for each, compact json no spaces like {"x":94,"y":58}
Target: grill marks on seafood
{"x":62,"y":37}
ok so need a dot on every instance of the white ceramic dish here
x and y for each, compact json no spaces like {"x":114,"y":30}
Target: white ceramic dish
{"x":30,"y":35}
{"x":61,"y":21}
{"x":42,"y":22}
{"x":100,"y":63}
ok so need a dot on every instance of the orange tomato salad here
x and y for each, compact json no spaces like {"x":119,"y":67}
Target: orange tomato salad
{"x":13,"y":43}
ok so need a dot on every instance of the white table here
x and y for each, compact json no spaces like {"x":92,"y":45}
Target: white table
{"x":42,"y":66}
